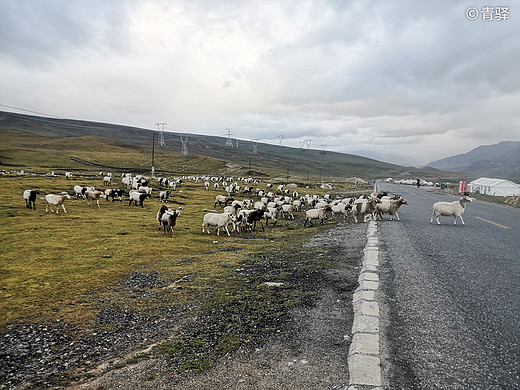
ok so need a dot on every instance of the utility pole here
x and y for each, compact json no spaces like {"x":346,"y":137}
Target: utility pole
{"x":153,"y":155}
{"x":184,"y":149}
{"x":160,"y":128}
{"x":229,"y":140}
{"x":254,"y":141}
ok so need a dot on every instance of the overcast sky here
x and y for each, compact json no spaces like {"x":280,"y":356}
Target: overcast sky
{"x":402,"y":81}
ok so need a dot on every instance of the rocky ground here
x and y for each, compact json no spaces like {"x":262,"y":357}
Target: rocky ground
{"x":304,"y":346}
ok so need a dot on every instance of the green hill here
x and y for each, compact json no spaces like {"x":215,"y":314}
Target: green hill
{"x":41,"y":144}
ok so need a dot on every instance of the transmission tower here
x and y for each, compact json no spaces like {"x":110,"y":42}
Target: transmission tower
{"x":302,"y":144}
{"x":229,"y":140}
{"x":280,"y":138}
{"x":254,"y":142}
{"x":184,"y":149}
{"x":308,"y":143}
{"x":323,"y":146}
{"x":160,"y":128}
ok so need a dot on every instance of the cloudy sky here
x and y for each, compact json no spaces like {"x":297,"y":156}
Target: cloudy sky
{"x":403,"y":81}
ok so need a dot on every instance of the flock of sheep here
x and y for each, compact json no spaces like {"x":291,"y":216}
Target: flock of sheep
{"x":244,"y":215}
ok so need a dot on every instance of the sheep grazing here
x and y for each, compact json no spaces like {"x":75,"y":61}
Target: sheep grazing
{"x":272,"y":213}
{"x":390,"y":206}
{"x":164,"y":195}
{"x":168,"y":220}
{"x":288,"y":209}
{"x":455,"y":209}
{"x":365,"y":208}
{"x":137,"y":197}
{"x":107,"y":180}
{"x":217,"y":220}
{"x":79,"y":191}
{"x":93,"y":195}
{"x":223,"y":200}
{"x":253,"y":217}
{"x":316,"y":214}
{"x":30,"y":198}
{"x":115,"y":194}
{"x":341,"y":208}
{"x":56,"y":200}
{"x":160,"y":213}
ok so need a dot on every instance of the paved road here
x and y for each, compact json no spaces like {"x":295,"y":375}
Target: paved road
{"x":453,"y":295}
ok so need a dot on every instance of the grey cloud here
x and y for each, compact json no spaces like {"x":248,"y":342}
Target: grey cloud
{"x":35,"y":33}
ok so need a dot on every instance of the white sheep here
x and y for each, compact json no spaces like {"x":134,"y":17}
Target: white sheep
{"x":365,"y":207}
{"x":340,"y":208}
{"x":316,"y":214}
{"x":136,"y":197}
{"x":455,"y":209}
{"x":218,"y":220}
{"x":93,"y":195}
{"x":56,"y":200}
{"x":390,"y":206}
{"x":160,"y":213}
{"x":272,"y":213}
{"x":222,"y":200}
{"x":288,"y":208}
{"x":164,"y":195}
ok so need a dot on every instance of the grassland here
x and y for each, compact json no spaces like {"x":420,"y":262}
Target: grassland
{"x":50,"y":260}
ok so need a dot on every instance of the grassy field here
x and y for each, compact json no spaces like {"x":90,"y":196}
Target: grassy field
{"x":49,"y":262}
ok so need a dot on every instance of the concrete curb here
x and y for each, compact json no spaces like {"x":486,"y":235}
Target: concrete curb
{"x":363,"y":361}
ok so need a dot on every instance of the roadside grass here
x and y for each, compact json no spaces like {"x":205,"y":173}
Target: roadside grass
{"x":68,"y":266}
{"x":507,"y":201}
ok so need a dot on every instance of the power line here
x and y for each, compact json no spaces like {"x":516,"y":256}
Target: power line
{"x":34,"y":112}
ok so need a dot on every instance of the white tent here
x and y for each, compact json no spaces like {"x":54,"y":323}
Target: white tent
{"x":495,"y":187}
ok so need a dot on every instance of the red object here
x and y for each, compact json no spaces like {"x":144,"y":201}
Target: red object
{"x":462,"y":186}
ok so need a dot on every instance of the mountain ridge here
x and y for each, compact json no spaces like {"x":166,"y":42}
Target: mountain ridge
{"x":501,"y":160}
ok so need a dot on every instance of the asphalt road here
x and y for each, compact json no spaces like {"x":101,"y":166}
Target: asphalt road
{"x":452,"y":295}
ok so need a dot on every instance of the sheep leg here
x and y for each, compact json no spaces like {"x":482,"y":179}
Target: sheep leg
{"x":397,"y":215}
{"x":227,"y":231}
{"x":218,"y":231}
{"x":63,"y":206}
{"x":462,"y":220}
{"x":97,"y":201}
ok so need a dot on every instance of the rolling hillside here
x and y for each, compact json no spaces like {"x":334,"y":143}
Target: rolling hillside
{"x":501,"y":160}
{"x":41,"y":144}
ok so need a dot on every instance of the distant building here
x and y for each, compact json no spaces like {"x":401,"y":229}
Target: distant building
{"x":494,"y":187}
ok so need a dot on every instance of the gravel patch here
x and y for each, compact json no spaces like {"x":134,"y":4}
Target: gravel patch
{"x":303,"y":347}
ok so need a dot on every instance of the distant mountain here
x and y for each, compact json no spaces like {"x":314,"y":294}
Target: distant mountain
{"x":501,"y":160}
{"x":43,"y":137}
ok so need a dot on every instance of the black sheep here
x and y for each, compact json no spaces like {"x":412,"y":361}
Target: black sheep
{"x":30,"y":198}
